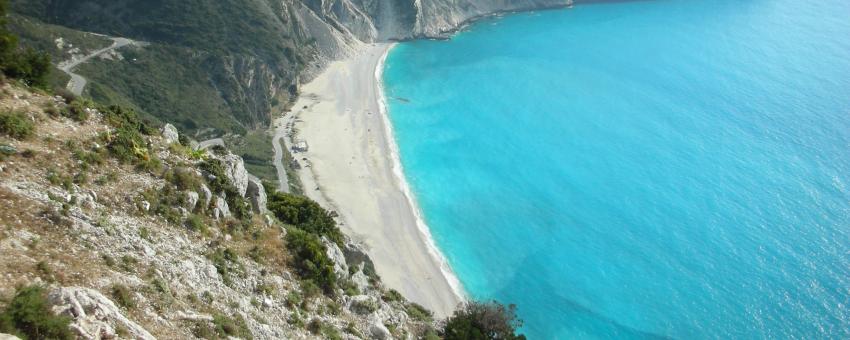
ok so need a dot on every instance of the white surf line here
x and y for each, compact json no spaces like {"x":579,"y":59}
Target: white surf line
{"x":398,"y":171}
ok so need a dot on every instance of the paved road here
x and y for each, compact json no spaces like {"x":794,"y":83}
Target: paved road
{"x":78,"y":82}
{"x":279,"y":141}
{"x":210,"y":142}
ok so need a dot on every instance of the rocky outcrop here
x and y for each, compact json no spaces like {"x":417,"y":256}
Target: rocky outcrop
{"x":221,"y":210}
{"x":93,"y":315}
{"x":336,"y":255}
{"x":234,"y":169}
{"x":256,"y":195}
{"x":169,"y":134}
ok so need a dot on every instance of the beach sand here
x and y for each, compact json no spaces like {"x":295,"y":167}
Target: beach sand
{"x":352,"y":167}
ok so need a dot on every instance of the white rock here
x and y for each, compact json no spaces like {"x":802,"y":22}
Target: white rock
{"x":169,"y":133}
{"x":8,"y":337}
{"x":192,"y":200}
{"x":191,"y":316}
{"x":234,"y":168}
{"x":93,"y":315}
{"x":221,"y":206}
{"x":379,"y":331}
{"x":338,"y":258}
{"x":206,"y":194}
{"x":256,"y":194}
{"x":146,"y":206}
{"x":360,"y":279}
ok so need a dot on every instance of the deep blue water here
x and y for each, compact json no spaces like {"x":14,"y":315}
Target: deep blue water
{"x":640,"y":169}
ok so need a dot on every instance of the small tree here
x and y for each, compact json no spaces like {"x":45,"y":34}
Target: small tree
{"x":310,"y":259}
{"x":28,"y":65}
{"x":29,"y":316}
{"x":483,"y":321}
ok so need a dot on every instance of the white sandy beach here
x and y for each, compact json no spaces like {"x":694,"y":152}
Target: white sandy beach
{"x":352,"y":162}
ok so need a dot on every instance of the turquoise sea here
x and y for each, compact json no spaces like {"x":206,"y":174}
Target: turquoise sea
{"x":640,"y":169}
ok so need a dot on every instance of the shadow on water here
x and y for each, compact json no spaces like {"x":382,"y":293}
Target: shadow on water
{"x":573,"y":320}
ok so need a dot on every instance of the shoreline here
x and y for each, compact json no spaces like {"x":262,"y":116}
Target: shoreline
{"x":352,"y":167}
{"x":398,"y":171}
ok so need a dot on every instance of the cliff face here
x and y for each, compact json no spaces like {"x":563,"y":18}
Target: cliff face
{"x":256,"y":51}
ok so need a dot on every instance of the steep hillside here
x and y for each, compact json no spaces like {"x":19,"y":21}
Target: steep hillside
{"x":132,"y":234}
{"x":241,"y":56}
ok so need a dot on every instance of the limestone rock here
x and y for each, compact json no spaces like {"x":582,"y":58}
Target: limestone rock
{"x":363,"y":304}
{"x":360,"y":279}
{"x":256,"y":194}
{"x":379,"y":331}
{"x":222,"y":210}
{"x":169,"y":133}
{"x":206,"y":193}
{"x":93,"y":315}
{"x":234,"y":168}
{"x":338,"y":258}
{"x":8,"y":337}
{"x":192,"y":200}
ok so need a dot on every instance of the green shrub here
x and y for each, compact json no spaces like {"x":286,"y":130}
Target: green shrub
{"x":123,"y":296}
{"x":183,"y":179}
{"x":305,"y":214}
{"x":196,"y":223}
{"x":219,"y":183}
{"x":16,"y":125}
{"x":226,"y":262}
{"x":392,"y":295}
{"x":310,"y":259}
{"x":318,"y":327}
{"x":28,"y":316}
{"x":484,"y":321}
{"x":236,"y":327}
{"x":76,"y":111}
{"x":417,"y":312}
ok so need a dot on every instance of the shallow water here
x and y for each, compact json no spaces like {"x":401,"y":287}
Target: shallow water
{"x":640,"y":169}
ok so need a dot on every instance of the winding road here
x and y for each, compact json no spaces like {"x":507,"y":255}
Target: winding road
{"x":78,"y":82}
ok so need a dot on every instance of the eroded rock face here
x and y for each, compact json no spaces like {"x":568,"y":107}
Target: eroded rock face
{"x":192,"y":200}
{"x":336,"y":255}
{"x":256,"y":194}
{"x":379,"y":331}
{"x":170,"y":134}
{"x":234,"y":168}
{"x":206,"y":194}
{"x":221,"y":210}
{"x":93,"y":315}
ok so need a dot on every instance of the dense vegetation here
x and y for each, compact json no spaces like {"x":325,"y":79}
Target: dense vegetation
{"x":16,"y":125}
{"x":25,"y":64}
{"x":305,"y":214}
{"x":311,"y":222}
{"x":205,"y":66}
{"x":483,"y":321}
{"x":310,"y":259}
{"x":28,"y":316}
